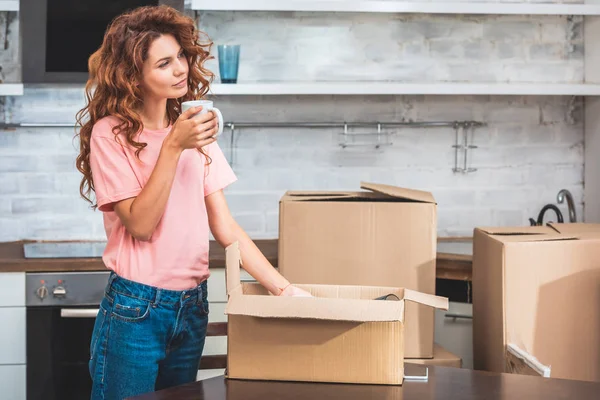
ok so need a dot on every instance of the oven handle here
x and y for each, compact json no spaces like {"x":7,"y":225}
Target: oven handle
{"x":79,"y":312}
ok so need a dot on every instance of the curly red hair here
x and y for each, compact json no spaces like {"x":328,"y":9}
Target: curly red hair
{"x":116,"y":66}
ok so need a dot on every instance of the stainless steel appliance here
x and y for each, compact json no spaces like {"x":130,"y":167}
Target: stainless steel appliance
{"x":61,"y":310}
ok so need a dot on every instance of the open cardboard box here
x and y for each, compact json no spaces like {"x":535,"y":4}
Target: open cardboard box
{"x":537,"y":289}
{"x":381,"y":236}
{"x":339,"y":335}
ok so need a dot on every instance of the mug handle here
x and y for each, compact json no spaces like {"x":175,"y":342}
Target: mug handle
{"x":221,"y":122}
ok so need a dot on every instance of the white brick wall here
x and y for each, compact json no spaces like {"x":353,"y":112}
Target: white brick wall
{"x":526,"y":154}
{"x":304,"y":46}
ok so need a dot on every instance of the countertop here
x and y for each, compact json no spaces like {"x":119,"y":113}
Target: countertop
{"x":442,"y":383}
{"x":453,"y":258}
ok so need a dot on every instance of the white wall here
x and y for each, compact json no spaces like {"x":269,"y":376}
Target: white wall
{"x":531,"y":148}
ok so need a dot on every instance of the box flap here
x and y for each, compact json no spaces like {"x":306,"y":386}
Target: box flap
{"x":535,"y":238}
{"x":517,"y":230}
{"x":316,"y":195}
{"x":232,"y":267}
{"x":318,"y":308}
{"x":395,"y":191}
{"x":575,"y":228}
{"x":438,"y":302}
{"x":513,"y":234}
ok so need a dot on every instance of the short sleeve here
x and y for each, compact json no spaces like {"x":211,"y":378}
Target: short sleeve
{"x":218,"y":173}
{"x":114,"y":179}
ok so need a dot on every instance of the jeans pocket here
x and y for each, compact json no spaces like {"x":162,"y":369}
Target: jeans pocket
{"x":201,"y":308}
{"x":130,"y":309}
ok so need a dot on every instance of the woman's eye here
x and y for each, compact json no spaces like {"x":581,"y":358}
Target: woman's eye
{"x":164,"y":64}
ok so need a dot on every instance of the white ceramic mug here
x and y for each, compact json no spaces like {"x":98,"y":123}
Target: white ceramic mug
{"x":207,"y":106}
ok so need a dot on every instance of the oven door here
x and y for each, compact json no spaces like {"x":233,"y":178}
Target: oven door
{"x":58,"y":352}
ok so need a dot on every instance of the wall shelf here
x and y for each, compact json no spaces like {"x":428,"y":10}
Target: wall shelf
{"x":11,"y":89}
{"x":397,"y":7}
{"x":385,"y":88}
{"x":9,"y":5}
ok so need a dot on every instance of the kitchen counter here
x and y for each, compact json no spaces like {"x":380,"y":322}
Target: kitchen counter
{"x":453,"y":258}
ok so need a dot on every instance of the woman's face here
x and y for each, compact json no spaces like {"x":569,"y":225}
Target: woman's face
{"x":165,"y":71}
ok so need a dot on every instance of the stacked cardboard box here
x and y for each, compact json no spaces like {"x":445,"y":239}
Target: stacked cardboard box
{"x":381,"y":236}
{"x":538,"y":290}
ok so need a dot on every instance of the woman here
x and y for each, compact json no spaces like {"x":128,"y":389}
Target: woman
{"x":158,"y":178}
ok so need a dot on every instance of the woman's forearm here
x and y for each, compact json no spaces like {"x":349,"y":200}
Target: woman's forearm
{"x":255,"y":263}
{"x":142,"y":215}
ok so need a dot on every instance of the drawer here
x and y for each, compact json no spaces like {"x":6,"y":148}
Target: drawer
{"x":217,"y":312}
{"x":217,"y":291}
{"x":13,"y":336}
{"x":12,"y":289}
{"x":215,"y":345}
{"x":455,"y":334}
{"x":209,"y":373}
{"x":12,"y":382}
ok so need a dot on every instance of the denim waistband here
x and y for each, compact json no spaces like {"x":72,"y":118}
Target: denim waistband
{"x":153,"y":294}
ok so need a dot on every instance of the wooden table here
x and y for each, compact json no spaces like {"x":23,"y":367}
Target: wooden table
{"x":443,"y":383}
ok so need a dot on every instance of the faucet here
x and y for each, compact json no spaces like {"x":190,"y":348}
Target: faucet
{"x":540,"y":219}
{"x":560,"y":198}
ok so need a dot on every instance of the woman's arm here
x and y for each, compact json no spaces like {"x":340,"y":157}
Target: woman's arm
{"x":141,"y":214}
{"x":227,"y":231}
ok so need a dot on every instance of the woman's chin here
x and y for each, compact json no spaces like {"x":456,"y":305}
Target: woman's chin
{"x":178,"y":92}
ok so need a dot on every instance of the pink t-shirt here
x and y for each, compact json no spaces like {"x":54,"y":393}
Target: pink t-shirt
{"x":176,"y":256}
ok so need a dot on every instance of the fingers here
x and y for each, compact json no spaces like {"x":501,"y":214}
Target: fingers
{"x":200,"y":119}
{"x":205,"y":142}
{"x":187,"y":114}
{"x":211,"y":125}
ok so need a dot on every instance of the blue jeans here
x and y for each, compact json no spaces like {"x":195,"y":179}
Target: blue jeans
{"x":146,"y":338}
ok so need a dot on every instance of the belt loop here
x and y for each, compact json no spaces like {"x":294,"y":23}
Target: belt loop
{"x":157,"y":296}
{"x":111,"y":279}
{"x":200,"y":294}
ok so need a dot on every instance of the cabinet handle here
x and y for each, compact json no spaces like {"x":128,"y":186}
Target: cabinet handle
{"x":78,"y":313}
{"x":458,"y":316}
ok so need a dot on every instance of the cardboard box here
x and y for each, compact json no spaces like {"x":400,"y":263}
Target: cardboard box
{"x":538,"y":289}
{"x":441,"y":358}
{"x":340,"y":335}
{"x":385,"y":236}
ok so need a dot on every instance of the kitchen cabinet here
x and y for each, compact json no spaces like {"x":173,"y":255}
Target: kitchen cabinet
{"x":12,"y":289}
{"x":13,"y":336}
{"x":455,"y":334}
{"x":12,"y":382}
{"x":12,"y":339}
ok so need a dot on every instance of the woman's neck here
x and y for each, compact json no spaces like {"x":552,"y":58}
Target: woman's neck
{"x":154,"y":114}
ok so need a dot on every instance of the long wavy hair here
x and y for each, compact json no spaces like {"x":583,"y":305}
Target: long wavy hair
{"x":116,"y":66}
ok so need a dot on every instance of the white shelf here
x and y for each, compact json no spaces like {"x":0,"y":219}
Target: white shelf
{"x":384,"y":88}
{"x":9,"y":5}
{"x":396,"y":7}
{"x":11,"y":89}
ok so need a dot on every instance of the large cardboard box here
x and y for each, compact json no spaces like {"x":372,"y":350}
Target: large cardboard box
{"x":384,"y":236}
{"x":538,"y":289}
{"x":441,"y":358}
{"x":340,"y":335}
